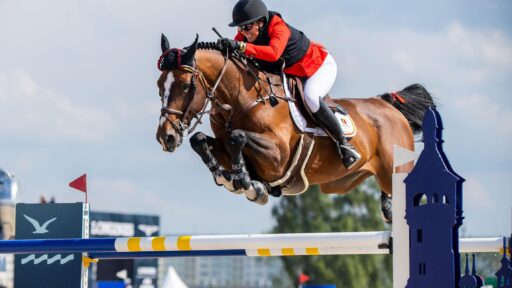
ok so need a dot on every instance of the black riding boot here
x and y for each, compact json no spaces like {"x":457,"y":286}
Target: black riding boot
{"x":328,"y":121}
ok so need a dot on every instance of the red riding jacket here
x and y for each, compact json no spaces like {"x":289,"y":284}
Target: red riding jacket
{"x":280,"y":40}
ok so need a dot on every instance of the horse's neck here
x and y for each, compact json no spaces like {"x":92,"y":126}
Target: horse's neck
{"x":234,"y":83}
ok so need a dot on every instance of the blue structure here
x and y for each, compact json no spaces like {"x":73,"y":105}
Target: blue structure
{"x":8,"y":188}
{"x":470,"y":280}
{"x":433,"y":212}
{"x":504,"y":274}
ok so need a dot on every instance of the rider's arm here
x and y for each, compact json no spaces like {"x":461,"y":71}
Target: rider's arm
{"x":279,"y":34}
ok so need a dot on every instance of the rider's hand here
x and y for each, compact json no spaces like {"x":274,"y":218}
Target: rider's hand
{"x":231,"y":45}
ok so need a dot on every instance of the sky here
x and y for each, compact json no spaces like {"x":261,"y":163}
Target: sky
{"x":78,"y":95}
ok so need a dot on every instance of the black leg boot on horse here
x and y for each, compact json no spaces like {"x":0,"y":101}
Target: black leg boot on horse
{"x":386,"y":205}
{"x":222,"y":177}
{"x":325,"y":117}
{"x":255,"y":191}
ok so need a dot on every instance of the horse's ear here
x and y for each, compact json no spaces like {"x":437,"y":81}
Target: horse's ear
{"x":188,"y":56}
{"x":164,"y":43}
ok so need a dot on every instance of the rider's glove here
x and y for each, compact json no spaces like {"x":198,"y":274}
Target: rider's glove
{"x":232,"y":45}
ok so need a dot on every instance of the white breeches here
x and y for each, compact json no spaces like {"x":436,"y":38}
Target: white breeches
{"x":320,"y":83}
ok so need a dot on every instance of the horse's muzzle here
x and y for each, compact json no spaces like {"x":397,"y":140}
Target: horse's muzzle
{"x":169,"y":142}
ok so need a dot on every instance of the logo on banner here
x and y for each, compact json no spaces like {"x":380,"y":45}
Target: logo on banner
{"x":123,"y":274}
{"x":148,"y":229}
{"x":49,"y":261}
{"x":39,"y":229}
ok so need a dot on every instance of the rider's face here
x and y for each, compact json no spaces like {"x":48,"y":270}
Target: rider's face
{"x":250,"y":31}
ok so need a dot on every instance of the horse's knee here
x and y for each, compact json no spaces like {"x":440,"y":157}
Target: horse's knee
{"x":238,"y":138}
{"x":198,"y":139}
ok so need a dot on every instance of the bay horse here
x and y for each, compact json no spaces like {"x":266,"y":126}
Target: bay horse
{"x":255,"y":143}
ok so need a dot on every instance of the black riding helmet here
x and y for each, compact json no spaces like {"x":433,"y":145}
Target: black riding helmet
{"x":248,"y":11}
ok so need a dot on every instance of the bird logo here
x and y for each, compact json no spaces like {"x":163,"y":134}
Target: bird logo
{"x":148,"y":229}
{"x":39,"y":229}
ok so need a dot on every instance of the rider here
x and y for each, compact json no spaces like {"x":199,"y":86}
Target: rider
{"x":266,"y":37}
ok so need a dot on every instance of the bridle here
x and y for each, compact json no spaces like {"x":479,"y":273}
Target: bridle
{"x":181,"y":124}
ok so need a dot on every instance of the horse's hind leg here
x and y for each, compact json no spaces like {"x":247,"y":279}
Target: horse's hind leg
{"x":200,"y":143}
{"x":254,"y":190}
{"x":384,"y":179}
{"x":386,"y":207}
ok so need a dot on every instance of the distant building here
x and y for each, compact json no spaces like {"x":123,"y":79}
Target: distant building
{"x":228,"y":272}
{"x":9,"y":188}
{"x":9,"y":196}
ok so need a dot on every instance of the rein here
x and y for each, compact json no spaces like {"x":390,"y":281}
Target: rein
{"x":181,"y":125}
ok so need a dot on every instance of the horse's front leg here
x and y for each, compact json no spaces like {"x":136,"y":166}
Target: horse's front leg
{"x":201,"y":145}
{"x":254,"y":190}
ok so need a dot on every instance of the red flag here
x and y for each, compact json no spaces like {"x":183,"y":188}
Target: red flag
{"x":79,"y":183}
{"x":303,"y":278}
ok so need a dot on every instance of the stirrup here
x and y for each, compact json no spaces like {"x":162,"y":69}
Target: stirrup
{"x":351,"y":158}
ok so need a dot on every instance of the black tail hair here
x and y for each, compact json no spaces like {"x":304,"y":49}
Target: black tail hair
{"x":412,"y":101}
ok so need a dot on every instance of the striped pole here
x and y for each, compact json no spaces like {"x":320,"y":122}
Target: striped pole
{"x":263,"y":243}
{"x":344,"y":243}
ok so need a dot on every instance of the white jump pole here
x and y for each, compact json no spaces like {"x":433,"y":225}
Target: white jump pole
{"x":399,"y":226}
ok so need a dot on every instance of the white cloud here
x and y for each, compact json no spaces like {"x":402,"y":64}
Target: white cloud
{"x":477,"y":195}
{"x":460,"y":55}
{"x":37,"y":113}
{"x":405,"y":61}
{"x":486,"y":114}
{"x":490,"y":47}
{"x":127,"y":195}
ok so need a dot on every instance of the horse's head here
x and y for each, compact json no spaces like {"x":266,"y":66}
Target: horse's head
{"x":177,"y":88}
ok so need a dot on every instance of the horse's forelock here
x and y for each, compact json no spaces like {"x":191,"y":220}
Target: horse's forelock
{"x":169,"y":60}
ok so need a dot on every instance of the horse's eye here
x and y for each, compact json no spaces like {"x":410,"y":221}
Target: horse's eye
{"x":185,"y":86}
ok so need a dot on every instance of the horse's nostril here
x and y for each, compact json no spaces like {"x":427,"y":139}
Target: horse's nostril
{"x":171,"y":140}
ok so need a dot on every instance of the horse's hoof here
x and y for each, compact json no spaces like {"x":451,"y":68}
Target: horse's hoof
{"x":224,"y":178}
{"x":386,"y":207}
{"x":257,"y":193}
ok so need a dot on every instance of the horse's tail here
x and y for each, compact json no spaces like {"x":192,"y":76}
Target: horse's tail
{"x":412,"y":101}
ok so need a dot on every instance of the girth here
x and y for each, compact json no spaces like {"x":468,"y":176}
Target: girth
{"x":294,"y":181}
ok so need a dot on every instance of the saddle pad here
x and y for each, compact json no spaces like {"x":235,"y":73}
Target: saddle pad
{"x":347,"y":124}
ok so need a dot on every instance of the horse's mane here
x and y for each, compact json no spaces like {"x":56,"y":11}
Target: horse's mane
{"x":215,"y":46}
{"x":209,"y":46}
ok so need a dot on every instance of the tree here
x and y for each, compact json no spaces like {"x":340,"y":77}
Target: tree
{"x":313,"y":211}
